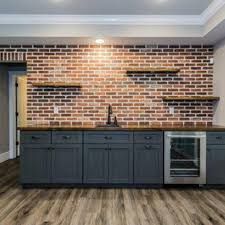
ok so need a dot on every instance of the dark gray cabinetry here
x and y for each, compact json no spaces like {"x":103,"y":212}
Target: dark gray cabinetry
{"x":148,"y":158}
{"x":120,"y":163}
{"x":96,"y":163}
{"x":108,"y":157}
{"x":67,"y":163}
{"x":215,"y":158}
{"x":45,"y":160}
{"x":35,"y":164}
{"x":91,"y":157}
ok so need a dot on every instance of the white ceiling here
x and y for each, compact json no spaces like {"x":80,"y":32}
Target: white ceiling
{"x":104,"y":7}
{"x":139,"y":21}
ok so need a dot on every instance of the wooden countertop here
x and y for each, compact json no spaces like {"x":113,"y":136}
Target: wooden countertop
{"x":144,"y":128}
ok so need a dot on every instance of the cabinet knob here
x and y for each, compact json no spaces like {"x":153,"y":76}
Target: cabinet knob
{"x":66,"y":137}
{"x":148,"y":146}
{"x":148,"y":138}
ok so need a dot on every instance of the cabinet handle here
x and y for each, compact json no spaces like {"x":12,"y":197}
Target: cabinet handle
{"x":35,"y":138}
{"x":218,"y":137}
{"x":148,"y":138}
{"x":148,"y":146}
{"x":66,"y":137}
{"x":108,"y":137}
{"x":50,"y":148}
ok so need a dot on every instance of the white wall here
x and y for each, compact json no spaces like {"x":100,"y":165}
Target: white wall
{"x":219,"y":82}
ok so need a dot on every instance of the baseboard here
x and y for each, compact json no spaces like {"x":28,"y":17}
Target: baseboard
{"x":4,"y":156}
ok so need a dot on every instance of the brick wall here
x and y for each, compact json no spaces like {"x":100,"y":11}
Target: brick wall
{"x":101,"y":70}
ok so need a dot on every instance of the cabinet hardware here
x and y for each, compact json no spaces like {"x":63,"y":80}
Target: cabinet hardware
{"x":148,"y":138}
{"x":108,"y":137}
{"x":148,"y":146}
{"x":35,"y":138}
{"x":66,"y":137}
{"x":218,"y":137}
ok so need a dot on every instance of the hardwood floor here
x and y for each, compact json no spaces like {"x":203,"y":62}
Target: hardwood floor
{"x":105,"y":206}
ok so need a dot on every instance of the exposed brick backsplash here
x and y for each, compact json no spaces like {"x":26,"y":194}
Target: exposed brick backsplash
{"x":101,"y":71}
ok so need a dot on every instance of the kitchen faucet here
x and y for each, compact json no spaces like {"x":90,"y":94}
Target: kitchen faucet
{"x":109,"y":122}
{"x":110,"y":112}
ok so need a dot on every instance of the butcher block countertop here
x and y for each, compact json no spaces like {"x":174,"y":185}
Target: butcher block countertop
{"x":130,"y":128}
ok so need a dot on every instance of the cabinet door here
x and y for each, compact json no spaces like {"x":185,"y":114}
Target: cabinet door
{"x":215,"y":164}
{"x":148,"y":164}
{"x":67,"y":163}
{"x":96,"y":163}
{"x":35,"y":164}
{"x":120,"y":163}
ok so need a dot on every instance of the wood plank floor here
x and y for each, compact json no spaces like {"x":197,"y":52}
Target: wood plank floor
{"x":105,"y":206}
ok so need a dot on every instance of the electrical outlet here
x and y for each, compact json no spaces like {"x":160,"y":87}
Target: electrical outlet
{"x":211,"y":61}
{"x":56,"y":109}
{"x":171,"y":110}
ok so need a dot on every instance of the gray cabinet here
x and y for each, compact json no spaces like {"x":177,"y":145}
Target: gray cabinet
{"x":148,"y":164}
{"x":215,"y":158}
{"x":120,"y":163}
{"x":91,"y":157}
{"x":35,"y":164}
{"x":108,"y":157}
{"x":215,"y":164}
{"x":96,"y":163}
{"x":49,"y":157}
{"x":108,"y":163}
{"x":107,"y":137}
{"x":148,"y":158}
{"x":67,"y":163}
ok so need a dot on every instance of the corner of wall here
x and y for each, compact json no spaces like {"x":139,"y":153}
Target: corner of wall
{"x":4,"y":157}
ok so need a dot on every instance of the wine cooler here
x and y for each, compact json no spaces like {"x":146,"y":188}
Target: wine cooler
{"x":185,"y":158}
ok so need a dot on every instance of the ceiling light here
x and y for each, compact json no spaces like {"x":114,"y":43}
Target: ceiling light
{"x":100,"y":41}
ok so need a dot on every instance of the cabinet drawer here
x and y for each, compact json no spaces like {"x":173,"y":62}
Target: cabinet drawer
{"x":147,"y":147}
{"x":108,"y":137}
{"x":216,"y":138}
{"x":66,"y":137}
{"x":148,"y":137}
{"x":35,"y":137}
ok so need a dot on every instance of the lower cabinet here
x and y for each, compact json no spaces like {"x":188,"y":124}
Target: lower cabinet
{"x":215,"y":164}
{"x":67,"y":164}
{"x":148,"y":164}
{"x":96,"y":163}
{"x":51,"y":164}
{"x":35,"y":164}
{"x":120,"y":163}
{"x":108,"y":163}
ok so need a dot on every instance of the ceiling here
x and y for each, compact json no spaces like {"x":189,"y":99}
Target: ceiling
{"x":117,"y":21}
{"x":105,"y":7}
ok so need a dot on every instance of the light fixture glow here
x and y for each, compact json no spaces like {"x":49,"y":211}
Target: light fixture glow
{"x":100,"y":41}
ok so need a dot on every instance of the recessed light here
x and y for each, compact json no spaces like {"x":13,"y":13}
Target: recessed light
{"x":100,"y":41}
{"x":56,"y":1}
